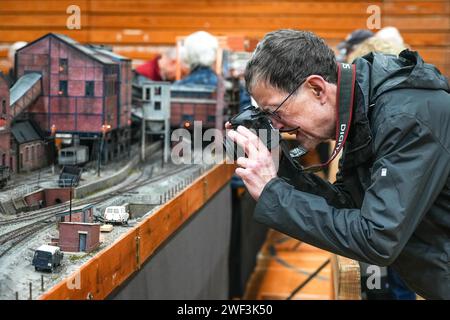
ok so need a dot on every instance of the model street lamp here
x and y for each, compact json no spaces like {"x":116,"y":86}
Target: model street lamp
{"x":105,"y":129}
{"x":52,"y":134}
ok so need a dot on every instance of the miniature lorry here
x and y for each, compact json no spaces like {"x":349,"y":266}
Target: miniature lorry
{"x":73,"y":156}
{"x":69,"y":176}
{"x":47,"y":258}
{"x":116,"y":215}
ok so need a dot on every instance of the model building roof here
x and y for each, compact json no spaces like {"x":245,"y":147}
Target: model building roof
{"x":24,"y":132}
{"x":22,"y":86}
{"x":92,"y":53}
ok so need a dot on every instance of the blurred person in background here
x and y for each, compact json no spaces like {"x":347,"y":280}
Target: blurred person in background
{"x":161,"y":68}
{"x":199,"y":54}
{"x":346,"y":47}
{"x":391,"y":35}
{"x":375,"y":44}
{"x":394,"y":287}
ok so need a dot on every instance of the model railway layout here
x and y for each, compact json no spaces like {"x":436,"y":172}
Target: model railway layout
{"x":78,"y":110}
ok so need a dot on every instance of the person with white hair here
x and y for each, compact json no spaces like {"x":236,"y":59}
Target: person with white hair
{"x":199,"y":53}
{"x":375,"y":44}
{"x":392,"y":35}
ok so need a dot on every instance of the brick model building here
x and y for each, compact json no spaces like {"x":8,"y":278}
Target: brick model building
{"x":84,"y":90}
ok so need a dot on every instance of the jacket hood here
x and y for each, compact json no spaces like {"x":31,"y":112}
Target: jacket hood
{"x":382,"y":73}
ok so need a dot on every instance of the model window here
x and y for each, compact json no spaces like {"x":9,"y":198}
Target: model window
{"x":63,"y":66}
{"x":4,"y":106}
{"x":147,"y":94}
{"x":62,"y":88}
{"x":89,"y":88}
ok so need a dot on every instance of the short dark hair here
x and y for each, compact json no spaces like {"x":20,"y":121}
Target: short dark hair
{"x":285,"y":57}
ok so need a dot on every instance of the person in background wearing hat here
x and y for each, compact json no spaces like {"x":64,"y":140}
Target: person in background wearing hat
{"x":346,"y":47}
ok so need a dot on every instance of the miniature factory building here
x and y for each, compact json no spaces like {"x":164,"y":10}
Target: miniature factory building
{"x":5,"y":122}
{"x":78,"y":236}
{"x":84,"y":90}
{"x":84,"y":213}
{"x":29,"y":144}
{"x":22,"y":145}
{"x":197,"y":103}
{"x":155,"y":104}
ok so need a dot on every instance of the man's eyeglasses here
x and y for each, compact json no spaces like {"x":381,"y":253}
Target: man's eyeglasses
{"x":274,"y":114}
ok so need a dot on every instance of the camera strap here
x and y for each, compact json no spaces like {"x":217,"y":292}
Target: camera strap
{"x":344,"y":110}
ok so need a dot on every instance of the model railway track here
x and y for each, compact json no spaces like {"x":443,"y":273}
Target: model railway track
{"x":11,"y":238}
{"x":12,"y":187}
{"x":45,"y":176}
{"x":47,"y":212}
{"x":11,"y":235}
{"x":137,"y":183}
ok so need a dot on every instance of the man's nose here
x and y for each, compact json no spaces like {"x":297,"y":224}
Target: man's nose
{"x":277,"y":124}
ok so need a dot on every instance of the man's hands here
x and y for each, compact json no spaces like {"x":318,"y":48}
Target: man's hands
{"x":258,"y":168}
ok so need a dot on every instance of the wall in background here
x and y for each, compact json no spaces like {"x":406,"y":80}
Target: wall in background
{"x":137,"y":28}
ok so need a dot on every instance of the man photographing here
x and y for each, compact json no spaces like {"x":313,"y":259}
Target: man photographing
{"x":390,"y":204}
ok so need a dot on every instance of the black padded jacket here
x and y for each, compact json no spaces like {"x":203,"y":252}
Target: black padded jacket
{"x":390,"y":204}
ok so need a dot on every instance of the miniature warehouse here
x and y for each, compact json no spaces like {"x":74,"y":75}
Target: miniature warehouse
{"x":224,"y":150}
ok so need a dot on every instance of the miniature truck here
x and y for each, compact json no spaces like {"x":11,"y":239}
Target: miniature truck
{"x":73,"y":156}
{"x":47,"y":258}
{"x":69,"y":176}
{"x":116,"y":215}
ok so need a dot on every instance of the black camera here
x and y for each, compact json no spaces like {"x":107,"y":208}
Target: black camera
{"x":253,"y":118}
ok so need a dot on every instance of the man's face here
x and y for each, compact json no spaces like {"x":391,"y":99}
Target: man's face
{"x":311,"y":110}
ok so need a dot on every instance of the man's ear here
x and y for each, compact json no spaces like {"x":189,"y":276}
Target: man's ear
{"x":317,"y":85}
